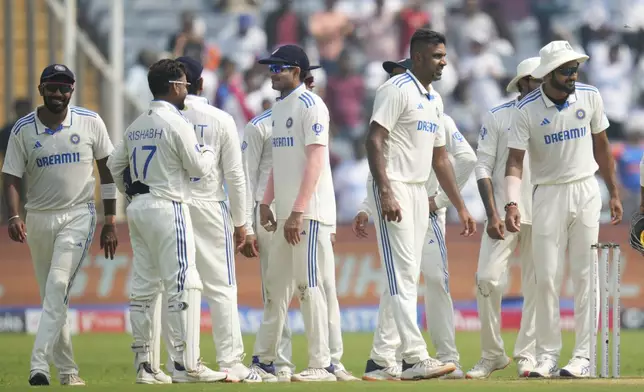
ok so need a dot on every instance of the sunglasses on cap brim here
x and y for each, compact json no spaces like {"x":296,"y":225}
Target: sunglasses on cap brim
{"x":52,"y":87}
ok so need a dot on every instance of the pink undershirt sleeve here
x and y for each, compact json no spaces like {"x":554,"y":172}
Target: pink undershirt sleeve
{"x":314,"y":162}
{"x":269,"y":192}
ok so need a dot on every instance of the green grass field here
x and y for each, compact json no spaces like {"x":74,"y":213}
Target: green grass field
{"x":106,"y":365}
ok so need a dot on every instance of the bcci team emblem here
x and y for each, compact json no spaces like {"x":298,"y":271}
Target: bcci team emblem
{"x":318,"y":128}
{"x":60,"y":68}
{"x":289,"y":122}
{"x":580,"y":114}
{"x":483,"y":133}
{"x":74,"y":138}
{"x":244,"y":145}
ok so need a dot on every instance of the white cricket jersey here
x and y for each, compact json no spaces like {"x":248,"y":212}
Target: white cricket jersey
{"x":162,"y":151}
{"x":462,"y":157}
{"x":298,"y":120}
{"x":216,"y":129}
{"x":413,"y":117}
{"x":558,"y":138}
{"x":59,"y":163}
{"x":257,"y":153}
{"x":493,"y":147}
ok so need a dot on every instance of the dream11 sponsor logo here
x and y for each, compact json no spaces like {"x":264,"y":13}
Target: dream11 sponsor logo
{"x":12,"y":322}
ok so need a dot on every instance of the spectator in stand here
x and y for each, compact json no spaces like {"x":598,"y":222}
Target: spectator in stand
{"x":349,"y":179}
{"x":475,"y":22}
{"x":284,"y":26}
{"x":627,"y":158}
{"x":345,"y":97}
{"x":410,"y":18}
{"x":191,"y":43}
{"x":330,"y":29}
{"x":137,"y":78}
{"x":378,"y":34}
{"x":230,"y":96}
{"x":244,"y":43}
{"x":237,"y":6}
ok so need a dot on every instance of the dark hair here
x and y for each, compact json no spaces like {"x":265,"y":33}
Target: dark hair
{"x":427,"y":37}
{"x":194,"y":88}
{"x":304,"y":74}
{"x":161,"y":73}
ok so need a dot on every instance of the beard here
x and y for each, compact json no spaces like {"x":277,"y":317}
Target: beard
{"x":56,"y":105}
{"x":563,"y":86}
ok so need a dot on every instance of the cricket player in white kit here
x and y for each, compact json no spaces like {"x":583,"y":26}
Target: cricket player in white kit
{"x":156,"y":159}
{"x":56,"y":146}
{"x":561,"y":125}
{"x":300,"y":184}
{"x":497,"y":246}
{"x":257,"y":152}
{"x":404,"y":142}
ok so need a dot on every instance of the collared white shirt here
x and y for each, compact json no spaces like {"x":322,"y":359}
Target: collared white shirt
{"x":215,"y":128}
{"x":162,"y":152}
{"x":558,"y":138}
{"x":493,"y":148}
{"x":413,"y":117}
{"x":298,"y":120}
{"x":59,"y":163}
{"x":257,"y":152}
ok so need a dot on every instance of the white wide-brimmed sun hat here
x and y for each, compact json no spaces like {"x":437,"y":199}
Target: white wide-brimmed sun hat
{"x":554,"y":55}
{"x":525,"y":68}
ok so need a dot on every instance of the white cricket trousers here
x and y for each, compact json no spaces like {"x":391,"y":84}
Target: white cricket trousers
{"x":164,"y":259}
{"x":439,"y":308}
{"x":565,"y":217}
{"x":296,"y":270}
{"x":285,"y":348}
{"x":494,"y":258}
{"x":213,"y":231}
{"x":401,"y":247}
{"x":59,"y":242}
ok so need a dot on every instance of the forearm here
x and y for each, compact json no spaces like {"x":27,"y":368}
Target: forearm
{"x":447,"y":180}
{"x":312,"y":170}
{"x":269,"y":192}
{"x":513,"y":175}
{"x":108,"y":191}
{"x":376,"y":159}
{"x":486,"y":190}
{"x":606,"y":164}
{"x":237,"y":193}
{"x":12,"y":194}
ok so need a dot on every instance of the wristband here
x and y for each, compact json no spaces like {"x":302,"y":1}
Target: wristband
{"x":108,"y":191}
{"x":13,"y":217}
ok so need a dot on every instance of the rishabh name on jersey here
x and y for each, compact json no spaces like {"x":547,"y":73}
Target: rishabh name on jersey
{"x":59,"y":163}
{"x":413,"y":117}
{"x":558,"y":137}
{"x":493,"y":141}
{"x":209,"y":124}
{"x":301,"y":119}
{"x":257,"y":150}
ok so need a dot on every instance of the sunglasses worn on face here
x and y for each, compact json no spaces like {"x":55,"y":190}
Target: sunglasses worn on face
{"x":64,"y":88}
{"x":278,"y":68}
{"x":568,"y":71}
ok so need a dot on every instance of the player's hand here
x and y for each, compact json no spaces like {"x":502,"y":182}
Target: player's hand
{"x":17,"y":230}
{"x":513,"y":219}
{"x":250,"y":246}
{"x":240,"y":237}
{"x":390,"y":207}
{"x":333,"y":240}
{"x":359,"y":225}
{"x":469,"y":224}
{"x":109,"y":240}
{"x":292,"y":228}
{"x":495,"y":228}
{"x":266,"y":218}
{"x":616,"y":210}
{"x":432,"y":204}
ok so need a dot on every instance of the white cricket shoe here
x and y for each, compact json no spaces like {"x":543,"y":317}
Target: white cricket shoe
{"x":265,"y":372}
{"x":284,"y":375}
{"x":578,"y":367}
{"x":342,"y":374}
{"x":314,"y":375}
{"x":375,"y":372}
{"x":146,"y":375}
{"x":545,"y":368}
{"x":429,"y":368}
{"x":524,"y":366}
{"x":238,"y":372}
{"x":201,"y":374}
{"x":456,"y":374}
{"x":485,"y":367}
{"x":71,"y":380}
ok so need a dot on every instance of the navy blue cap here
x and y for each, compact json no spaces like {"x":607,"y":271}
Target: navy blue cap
{"x":389,"y":66}
{"x":193,"y":68}
{"x":57,"y":70}
{"x":290,"y":55}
